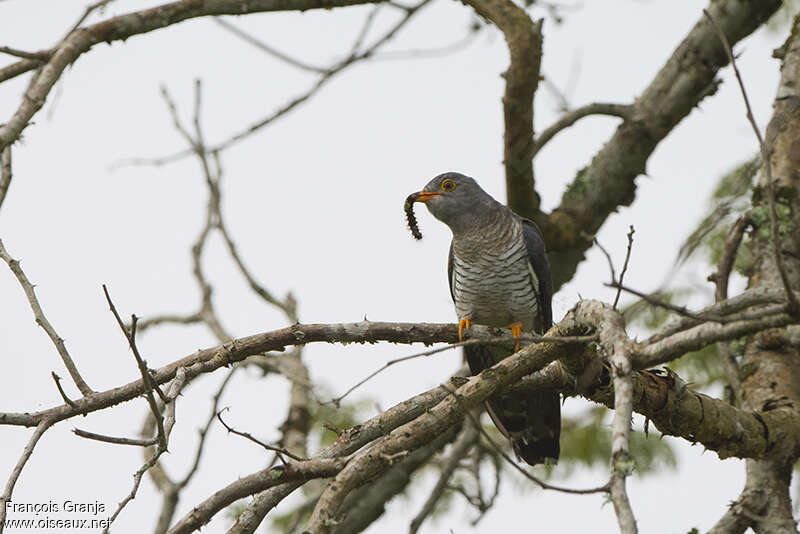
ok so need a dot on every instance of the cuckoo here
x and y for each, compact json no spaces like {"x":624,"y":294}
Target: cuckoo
{"x":499,"y":276}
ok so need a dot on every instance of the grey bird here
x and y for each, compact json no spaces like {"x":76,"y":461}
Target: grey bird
{"x":499,"y":276}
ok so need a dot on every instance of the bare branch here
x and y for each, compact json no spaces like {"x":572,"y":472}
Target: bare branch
{"x":724,"y":267}
{"x":42,"y":321}
{"x":41,"y":428}
{"x":794,"y":305}
{"x":368,"y":503}
{"x":539,"y":482}
{"x":647,"y":353}
{"x":608,"y":182}
{"x":205,"y":429}
{"x":466,"y":439}
{"x":422,"y":53}
{"x":266,"y":48}
{"x":671,"y":347}
{"x":101,"y":4}
{"x":416,"y":433}
{"x":524,"y":39}
{"x":324,"y":78}
{"x":169,"y":421}
{"x":624,"y":266}
{"x":57,"y":380}
{"x":194,"y":318}
{"x":621,"y":461}
{"x":114,"y":439}
{"x":5,"y":173}
{"x":122,"y":27}
{"x":279,"y":450}
{"x":623,"y":111}
{"x":145,"y":372}
{"x":348,"y":442}
{"x":36,"y":56}
{"x":259,"y":481}
{"x":20,"y":67}
{"x":505,"y":339}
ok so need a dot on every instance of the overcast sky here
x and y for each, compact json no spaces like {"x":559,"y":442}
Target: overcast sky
{"x":314,"y":203}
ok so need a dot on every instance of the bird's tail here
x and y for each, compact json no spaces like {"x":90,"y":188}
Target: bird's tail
{"x":530,"y":420}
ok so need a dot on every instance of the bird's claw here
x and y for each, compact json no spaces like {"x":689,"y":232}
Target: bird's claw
{"x":463,"y":324}
{"x":516,"y":331}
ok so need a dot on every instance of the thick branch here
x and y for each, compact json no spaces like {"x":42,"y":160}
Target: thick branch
{"x":608,"y":182}
{"x":375,"y":460}
{"x":123,"y":27}
{"x":524,"y":39}
{"x":368,"y":503}
{"x":208,"y":360}
{"x":348,"y":442}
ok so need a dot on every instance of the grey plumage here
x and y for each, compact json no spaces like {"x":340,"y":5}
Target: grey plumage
{"x":499,"y":275}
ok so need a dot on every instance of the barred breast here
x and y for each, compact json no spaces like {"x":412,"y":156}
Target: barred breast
{"x":493,"y":281}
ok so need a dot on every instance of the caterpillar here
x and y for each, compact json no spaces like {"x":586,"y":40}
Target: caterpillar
{"x":408,"y":207}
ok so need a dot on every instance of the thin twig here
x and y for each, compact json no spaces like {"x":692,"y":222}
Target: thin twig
{"x":624,"y":265}
{"x":241,"y":34}
{"x":57,"y":380}
{"x":324,"y":78}
{"x":541,"y":483}
{"x":424,"y":53}
{"x":5,"y":173}
{"x":794,"y":305}
{"x":508,"y":339}
{"x":42,"y":321}
{"x":608,"y":259}
{"x":365,"y":27}
{"x":169,"y":421}
{"x":113,"y":439}
{"x":724,"y":267}
{"x":623,"y":111}
{"x":89,"y":9}
{"x":468,"y":437}
{"x":42,"y":55}
{"x":205,"y":429}
{"x":156,"y":320}
{"x":680,"y":310}
{"x":279,"y":450}
{"x":143,"y":370}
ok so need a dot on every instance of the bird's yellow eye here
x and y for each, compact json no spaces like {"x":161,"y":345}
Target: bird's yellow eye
{"x":448,"y":185}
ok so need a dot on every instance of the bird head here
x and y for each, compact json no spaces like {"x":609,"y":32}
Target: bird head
{"x":453,"y":199}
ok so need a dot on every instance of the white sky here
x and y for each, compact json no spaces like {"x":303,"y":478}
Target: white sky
{"x":314,"y":203}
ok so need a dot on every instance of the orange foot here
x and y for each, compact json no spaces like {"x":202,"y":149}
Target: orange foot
{"x":463,"y":324}
{"x":516,"y":331}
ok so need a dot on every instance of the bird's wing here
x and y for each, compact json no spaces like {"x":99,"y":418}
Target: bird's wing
{"x":537,"y":256}
{"x":450,"y":276}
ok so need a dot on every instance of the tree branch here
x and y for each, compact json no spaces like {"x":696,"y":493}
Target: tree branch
{"x":147,"y":381}
{"x":5,"y":173}
{"x":623,"y":111}
{"x":368,"y":503}
{"x":41,"y":428}
{"x":608,"y":182}
{"x":42,"y":321}
{"x":524,"y":39}
{"x":123,"y":27}
{"x":794,"y":306}
{"x":466,"y":440}
{"x":348,"y":442}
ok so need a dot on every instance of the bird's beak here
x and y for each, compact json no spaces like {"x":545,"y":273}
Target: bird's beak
{"x":422,"y":196}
